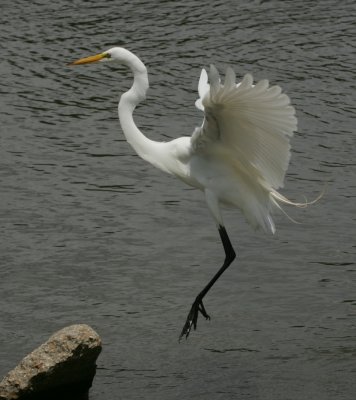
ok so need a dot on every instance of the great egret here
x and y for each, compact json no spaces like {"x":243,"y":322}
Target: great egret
{"x":238,"y":157}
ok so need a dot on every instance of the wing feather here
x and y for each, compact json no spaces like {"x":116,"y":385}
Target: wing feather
{"x":253,"y":122}
{"x":203,"y":89}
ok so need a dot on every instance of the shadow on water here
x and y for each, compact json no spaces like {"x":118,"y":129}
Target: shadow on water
{"x":74,"y":393}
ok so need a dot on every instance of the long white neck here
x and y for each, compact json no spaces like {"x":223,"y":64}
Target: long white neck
{"x":144,"y":147}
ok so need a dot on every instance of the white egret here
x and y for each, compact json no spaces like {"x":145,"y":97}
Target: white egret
{"x":238,"y":157}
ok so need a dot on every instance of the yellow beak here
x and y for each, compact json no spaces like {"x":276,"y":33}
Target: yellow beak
{"x":90,"y":59}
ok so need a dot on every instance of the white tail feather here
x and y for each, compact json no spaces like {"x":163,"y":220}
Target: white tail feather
{"x":277,"y":197}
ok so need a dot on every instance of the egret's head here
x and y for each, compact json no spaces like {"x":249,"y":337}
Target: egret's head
{"x":117,"y":54}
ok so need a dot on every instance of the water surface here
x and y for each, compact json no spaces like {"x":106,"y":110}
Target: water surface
{"x":92,"y":234}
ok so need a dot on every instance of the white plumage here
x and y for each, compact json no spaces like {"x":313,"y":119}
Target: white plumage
{"x":247,"y":129}
{"x":238,"y":157}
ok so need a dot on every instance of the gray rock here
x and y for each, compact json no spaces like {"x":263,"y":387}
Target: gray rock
{"x":64,"y":364}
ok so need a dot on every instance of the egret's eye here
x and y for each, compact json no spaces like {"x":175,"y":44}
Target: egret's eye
{"x":107,"y":55}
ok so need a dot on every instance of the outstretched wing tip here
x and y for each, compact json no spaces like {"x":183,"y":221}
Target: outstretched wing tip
{"x":203,"y":89}
{"x":203,"y":74}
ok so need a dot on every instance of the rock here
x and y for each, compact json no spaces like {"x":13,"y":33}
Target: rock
{"x":64,"y":365}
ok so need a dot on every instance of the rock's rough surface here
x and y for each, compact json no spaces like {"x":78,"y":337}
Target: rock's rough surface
{"x":65,"y":363}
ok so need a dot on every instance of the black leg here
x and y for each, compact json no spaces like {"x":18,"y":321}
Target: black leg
{"x":198,"y":305}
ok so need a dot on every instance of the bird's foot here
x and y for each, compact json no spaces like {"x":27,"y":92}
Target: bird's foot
{"x":197,"y":307}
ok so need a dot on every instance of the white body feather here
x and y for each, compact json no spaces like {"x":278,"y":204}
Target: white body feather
{"x":240,"y":154}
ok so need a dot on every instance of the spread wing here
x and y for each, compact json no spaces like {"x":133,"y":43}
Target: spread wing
{"x":253,"y":122}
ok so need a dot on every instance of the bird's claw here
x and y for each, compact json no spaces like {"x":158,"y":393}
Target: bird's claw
{"x":192,"y":318}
